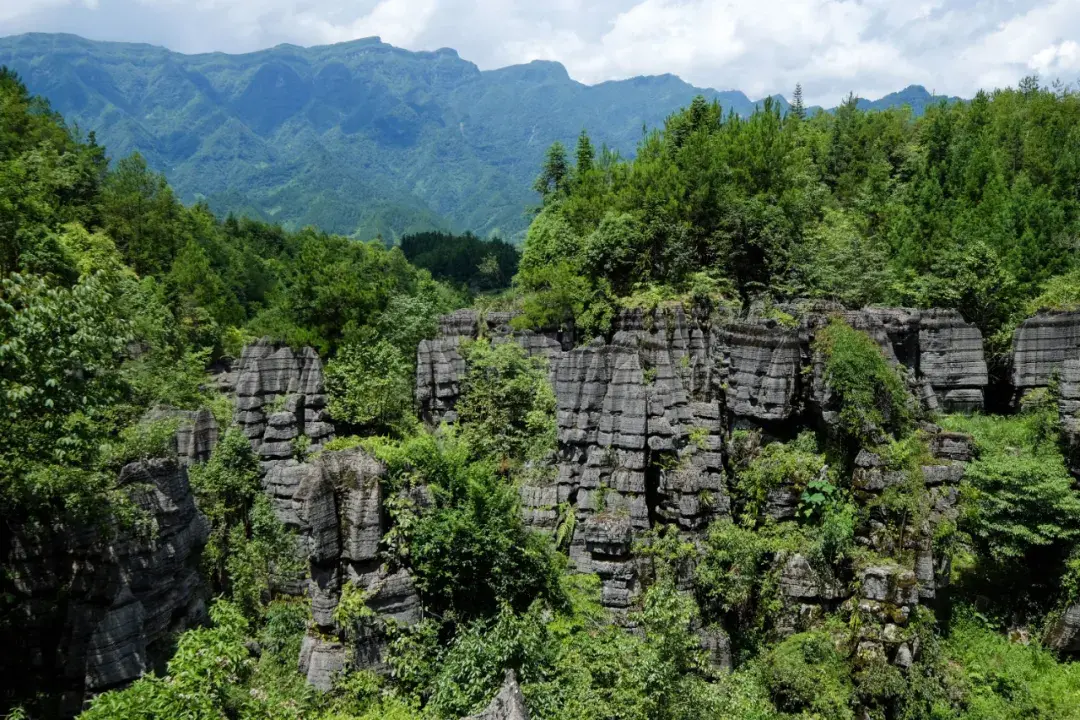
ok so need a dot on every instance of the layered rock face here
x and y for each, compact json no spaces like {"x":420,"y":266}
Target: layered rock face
{"x":280,"y":400}
{"x":337,"y":508}
{"x":1069,"y":411}
{"x":642,"y":419}
{"x":94,"y":606}
{"x":1041,"y":345}
{"x":333,"y":503}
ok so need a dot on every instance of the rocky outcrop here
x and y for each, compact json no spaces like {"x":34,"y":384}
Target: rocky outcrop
{"x":642,"y":418}
{"x":334,"y":504}
{"x":1069,"y":412}
{"x":196,"y":435}
{"x":508,"y":704}
{"x":1041,"y":345}
{"x":94,"y":606}
{"x":952,"y":361}
{"x":280,"y":400}
{"x":1064,"y":632}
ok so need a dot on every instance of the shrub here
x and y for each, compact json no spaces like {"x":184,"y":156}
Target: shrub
{"x":796,"y":464}
{"x":1008,"y":680}
{"x":1020,"y":508}
{"x":247,"y":544}
{"x":806,"y":674}
{"x":507,"y":405}
{"x":369,"y":386}
{"x":871,"y":394}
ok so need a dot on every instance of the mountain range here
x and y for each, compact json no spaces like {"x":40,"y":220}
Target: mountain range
{"x":360,"y":138}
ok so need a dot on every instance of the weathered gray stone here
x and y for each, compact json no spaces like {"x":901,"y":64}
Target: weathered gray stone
{"x":800,"y":581}
{"x":321,"y":661}
{"x":1069,"y":412}
{"x":508,"y":704}
{"x":124,"y":592}
{"x":951,"y":359}
{"x":890,"y":584}
{"x":1041,"y":345}
{"x":717,"y":646}
{"x":1064,"y":634}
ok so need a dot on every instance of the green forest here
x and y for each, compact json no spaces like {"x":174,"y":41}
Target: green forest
{"x":115,"y":298}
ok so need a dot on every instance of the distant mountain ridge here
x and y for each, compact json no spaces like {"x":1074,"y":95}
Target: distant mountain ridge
{"x":359,"y":137}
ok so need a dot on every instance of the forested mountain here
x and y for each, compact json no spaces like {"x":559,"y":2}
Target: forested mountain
{"x":356,"y":138}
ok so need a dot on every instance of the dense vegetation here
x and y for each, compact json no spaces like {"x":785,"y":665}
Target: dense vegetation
{"x":116,"y":298}
{"x":972,"y":206}
{"x":358,"y":138}
{"x":463,"y":259}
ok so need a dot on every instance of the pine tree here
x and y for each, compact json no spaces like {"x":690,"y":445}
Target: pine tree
{"x":585,"y":154}
{"x":797,"y":107}
{"x":552,"y":179}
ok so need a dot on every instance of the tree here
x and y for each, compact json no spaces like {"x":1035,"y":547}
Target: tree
{"x":797,"y":108}
{"x":585,"y":155}
{"x":369,"y":386}
{"x":552,"y":179}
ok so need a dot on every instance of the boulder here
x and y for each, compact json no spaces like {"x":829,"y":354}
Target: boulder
{"x":508,"y":704}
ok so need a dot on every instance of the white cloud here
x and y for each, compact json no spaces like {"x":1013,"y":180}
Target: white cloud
{"x":871,"y":47}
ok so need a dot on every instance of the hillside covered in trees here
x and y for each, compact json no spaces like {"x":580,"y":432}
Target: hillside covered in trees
{"x":359,"y":138}
{"x":689,"y":464}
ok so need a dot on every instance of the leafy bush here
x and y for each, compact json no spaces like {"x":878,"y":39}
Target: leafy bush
{"x":1020,"y":507}
{"x":870,"y":393}
{"x":807,"y":674}
{"x":369,"y":386}
{"x":471,"y":552}
{"x":796,"y":465}
{"x":248,"y":545}
{"x":209,"y":663}
{"x":1008,"y":680}
{"x":507,"y":405}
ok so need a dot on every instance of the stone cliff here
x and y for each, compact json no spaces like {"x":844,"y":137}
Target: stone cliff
{"x":94,"y":606}
{"x":644,"y":419}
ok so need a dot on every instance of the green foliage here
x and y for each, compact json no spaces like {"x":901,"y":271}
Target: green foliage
{"x":870,"y":394}
{"x":507,"y":405}
{"x":1020,"y":507}
{"x":144,"y":441}
{"x":369,"y":386}
{"x":207,"y":666}
{"x":463,"y":260}
{"x":796,"y":465}
{"x":471,"y":552}
{"x":1005,"y":680}
{"x":807,"y":674}
{"x":248,"y":545}
{"x":730,"y":569}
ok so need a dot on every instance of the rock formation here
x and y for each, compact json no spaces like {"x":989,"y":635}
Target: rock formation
{"x":642,"y":418}
{"x":1069,"y":411}
{"x":280,"y":400}
{"x":335,"y":504}
{"x":94,"y":606}
{"x":508,"y":704}
{"x":1041,"y":345}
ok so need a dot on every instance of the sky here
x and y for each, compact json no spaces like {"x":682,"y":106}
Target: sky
{"x":831,"y":47}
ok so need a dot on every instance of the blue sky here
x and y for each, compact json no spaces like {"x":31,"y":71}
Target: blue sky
{"x":870,"y":47}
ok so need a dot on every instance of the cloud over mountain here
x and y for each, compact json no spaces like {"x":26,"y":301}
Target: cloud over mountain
{"x":832,"y":47}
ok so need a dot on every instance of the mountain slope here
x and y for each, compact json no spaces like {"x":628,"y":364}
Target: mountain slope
{"x":359,"y":137}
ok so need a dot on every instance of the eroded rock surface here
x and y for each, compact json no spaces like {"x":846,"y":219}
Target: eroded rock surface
{"x":280,"y":401}
{"x":642,"y":418}
{"x":508,"y":704}
{"x":93,"y":607}
{"x":1041,"y":345}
